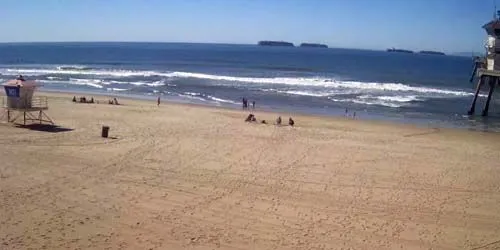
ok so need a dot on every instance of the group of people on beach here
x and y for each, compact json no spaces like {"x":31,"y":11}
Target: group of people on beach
{"x":246,"y":104}
{"x":252,"y":118}
{"x":113,"y":101}
{"x":83,"y":99}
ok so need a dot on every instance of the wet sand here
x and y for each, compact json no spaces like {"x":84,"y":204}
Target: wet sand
{"x":188,"y":177}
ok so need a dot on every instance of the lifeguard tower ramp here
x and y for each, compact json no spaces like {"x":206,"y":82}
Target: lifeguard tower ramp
{"x":19,"y":103}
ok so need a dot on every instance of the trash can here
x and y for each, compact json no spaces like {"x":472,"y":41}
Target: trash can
{"x":105,"y":131}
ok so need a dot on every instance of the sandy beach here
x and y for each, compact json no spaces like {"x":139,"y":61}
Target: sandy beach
{"x":188,"y":177}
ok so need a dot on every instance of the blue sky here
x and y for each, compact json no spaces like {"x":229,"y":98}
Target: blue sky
{"x":446,"y":25}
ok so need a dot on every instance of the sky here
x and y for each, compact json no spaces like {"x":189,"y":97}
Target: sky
{"x":444,"y":25}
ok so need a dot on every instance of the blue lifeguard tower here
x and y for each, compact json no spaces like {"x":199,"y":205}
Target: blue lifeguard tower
{"x":19,"y":102}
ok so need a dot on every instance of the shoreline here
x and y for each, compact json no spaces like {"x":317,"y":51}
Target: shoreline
{"x":376,"y":118}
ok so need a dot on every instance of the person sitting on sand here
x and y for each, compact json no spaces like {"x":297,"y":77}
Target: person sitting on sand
{"x":250,"y":118}
{"x":278,"y":121}
{"x":290,"y":121}
{"x":264,"y":122}
{"x":115,"y":101}
{"x":110,"y":101}
{"x":74,"y":99}
{"x":91,"y":100}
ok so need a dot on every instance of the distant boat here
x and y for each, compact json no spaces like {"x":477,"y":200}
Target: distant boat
{"x":432,"y":52}
{"x":312,"y":45}
{"x":400,"y":50}
{"x":275,"y":43}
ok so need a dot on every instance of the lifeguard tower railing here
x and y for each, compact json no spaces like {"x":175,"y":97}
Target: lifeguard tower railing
{"x":36,"y":103}
{"x":30,"y":109}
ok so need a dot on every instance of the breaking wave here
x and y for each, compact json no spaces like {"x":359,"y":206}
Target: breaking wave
{"x":293,"y":81}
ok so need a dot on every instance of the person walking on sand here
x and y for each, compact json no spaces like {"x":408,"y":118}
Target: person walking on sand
{"x":245,"y":103}
{"x":158,"y":101}
{"x":278,"y":121}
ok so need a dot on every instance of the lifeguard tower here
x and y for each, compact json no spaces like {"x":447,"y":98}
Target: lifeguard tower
{"x":19,"y":102}
{"x":487,"y":69}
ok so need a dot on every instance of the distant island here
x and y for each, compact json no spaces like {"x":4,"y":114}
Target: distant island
{"x":312,"y":45}
{"x":400,"y":50}
{"x":432,"y":52}
{"x":276,"y":43}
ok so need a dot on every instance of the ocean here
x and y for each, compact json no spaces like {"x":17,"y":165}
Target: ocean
{"x":428,"y":90}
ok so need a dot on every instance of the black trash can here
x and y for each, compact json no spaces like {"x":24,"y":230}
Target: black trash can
{"x":105,"y":131}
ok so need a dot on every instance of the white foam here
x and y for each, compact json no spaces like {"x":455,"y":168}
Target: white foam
{"x":88,"y":82}
{"x":191,"y":96}
{"x":156,"y":84}
{"x":324,"y":82}
{"x":221,"y":100}
{"x":137,"y":83}
{"x":305,"y":93}
{"x":368,"y":102}
{"x":73,"y":67}
{"x":192,"y":93}
{"x":54,"y":78}
{"x":116,"y":89}
{"x":52,"y":81}
{"x":408,"y":98}
{"x":377,"y":102}
{"x":113,"y":73}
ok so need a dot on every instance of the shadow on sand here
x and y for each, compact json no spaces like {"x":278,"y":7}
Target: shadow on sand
{"x":45,"y":128}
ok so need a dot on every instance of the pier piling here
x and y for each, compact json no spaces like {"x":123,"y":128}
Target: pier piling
{"x":492,"y":82}
{"x":478,"y":88}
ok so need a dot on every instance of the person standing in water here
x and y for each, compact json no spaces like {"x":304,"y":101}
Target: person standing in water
{"x":253,"y":104}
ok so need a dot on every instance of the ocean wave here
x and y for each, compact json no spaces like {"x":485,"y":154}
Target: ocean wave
{"x":190,"y":95}
{"x":295,"y":81}
{"x":116,"y":89}
{"x":408,"y":98}
{"x":305,"y":93}
{"x":378,"y":102}
{"x":73,"y":67}
{"x":112,"y":73}
{"x":325,"y":82}
{"x":368,"y":102}
{"x":54,"y":78}
{"x":156,"y":84}
{"x":206,"y":98}
{"x":216,"y":99}
{"x":88,"y":82}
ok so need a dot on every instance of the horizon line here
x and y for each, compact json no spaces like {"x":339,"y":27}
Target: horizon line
{"x":216,"y":43}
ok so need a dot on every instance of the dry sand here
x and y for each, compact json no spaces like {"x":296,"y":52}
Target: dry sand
{"x":185,"y":177}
